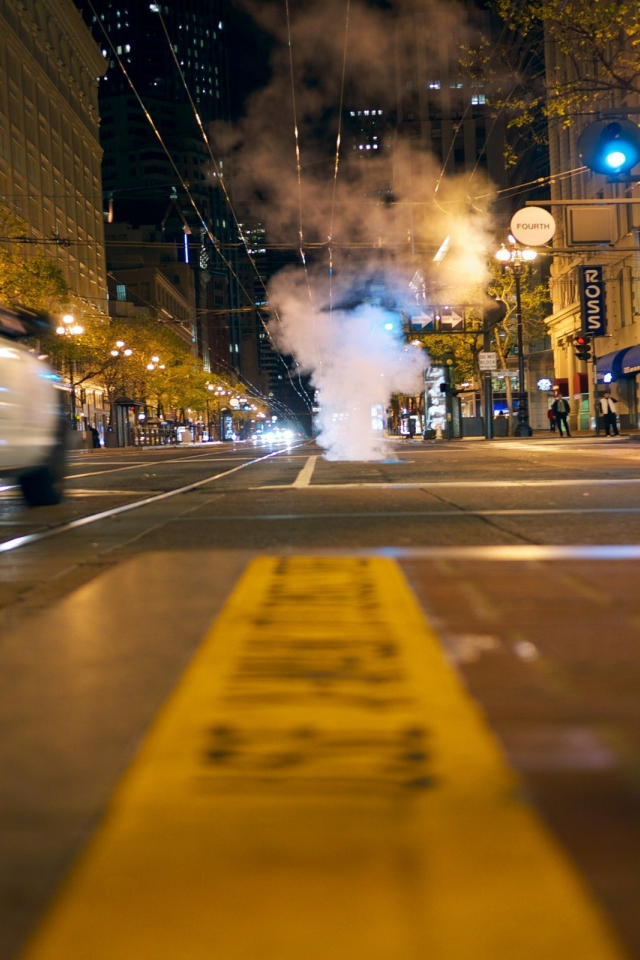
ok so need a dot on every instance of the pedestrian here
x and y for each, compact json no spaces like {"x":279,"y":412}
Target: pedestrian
{"x":608,"y":411}
{"x":552,"y":420}
{"x":561,"y":409}
{"x":95,"y":436}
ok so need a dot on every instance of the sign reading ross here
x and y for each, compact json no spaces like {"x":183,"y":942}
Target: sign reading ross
{"x":487,"y":362}
{"x":533,"y":225}
{"x":594,"y":318}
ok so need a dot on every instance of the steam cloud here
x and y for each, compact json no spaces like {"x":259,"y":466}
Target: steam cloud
{"x":383,"y":219}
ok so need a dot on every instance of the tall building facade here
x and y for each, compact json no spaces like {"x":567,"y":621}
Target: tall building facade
{"x":50,"y":154}
{"x":440,"y":113}
{"x":601,"y":234}
{"x":140,"y":179}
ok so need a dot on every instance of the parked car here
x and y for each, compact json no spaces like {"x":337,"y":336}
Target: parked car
{"x":32,"y":423}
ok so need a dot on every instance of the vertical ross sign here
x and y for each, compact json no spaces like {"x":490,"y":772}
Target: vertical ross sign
{"x":594,"y":318}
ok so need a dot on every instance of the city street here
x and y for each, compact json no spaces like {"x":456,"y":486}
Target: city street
{"x":523,"y":555}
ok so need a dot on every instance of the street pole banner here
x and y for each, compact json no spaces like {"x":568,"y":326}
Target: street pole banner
{"x":592,"y":296}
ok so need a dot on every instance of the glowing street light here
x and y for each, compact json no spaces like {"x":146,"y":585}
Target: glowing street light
{"x":69,"y":328}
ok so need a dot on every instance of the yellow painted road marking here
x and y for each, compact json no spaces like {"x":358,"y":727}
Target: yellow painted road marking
{"x":320,"y":787}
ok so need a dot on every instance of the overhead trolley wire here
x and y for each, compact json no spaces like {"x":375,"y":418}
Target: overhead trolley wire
{"x":213,"y":239}
{"x":298,"y":165}
{"x":335,"y":170}
{"x":227,"y":197}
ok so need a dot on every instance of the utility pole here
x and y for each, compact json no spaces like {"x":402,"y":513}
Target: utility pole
{"x":487,"y":385}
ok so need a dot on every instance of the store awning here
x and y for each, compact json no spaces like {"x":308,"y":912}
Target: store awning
{"x":609,"y":367}
{"x":631,"y":360}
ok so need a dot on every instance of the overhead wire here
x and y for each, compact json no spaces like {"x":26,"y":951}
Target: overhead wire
{"x":296,"y":133}
{"x":212,"y":238}
{"x":335,"y":170}
{"x":221,"y":181}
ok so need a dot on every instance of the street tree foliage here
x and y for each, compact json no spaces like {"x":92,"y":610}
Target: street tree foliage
{"x":176,"y":382}
{"x":463,"y":349}
{"x":534,"y":297}
{"x":554,"y":60}
{"x":28,"y":277}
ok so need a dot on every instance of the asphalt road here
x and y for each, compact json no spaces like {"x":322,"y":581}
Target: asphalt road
{"x":547,"y":639}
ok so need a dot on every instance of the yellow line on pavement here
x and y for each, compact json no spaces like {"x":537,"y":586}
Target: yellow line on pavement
{"x":321,"y":787}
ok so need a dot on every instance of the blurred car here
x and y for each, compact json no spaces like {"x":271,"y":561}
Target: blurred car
{"x":32,"y":422}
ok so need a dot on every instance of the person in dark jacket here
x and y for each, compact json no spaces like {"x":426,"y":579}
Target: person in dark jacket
{"x":561,"y":410}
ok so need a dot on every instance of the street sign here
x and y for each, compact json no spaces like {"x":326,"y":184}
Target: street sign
{"x":487,"y":362}
{"x":592,"y":296}
{"x":533,"y":226}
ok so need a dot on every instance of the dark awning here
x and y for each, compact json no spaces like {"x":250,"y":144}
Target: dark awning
{"x":609,"y":367}
{"x":631,"y":360}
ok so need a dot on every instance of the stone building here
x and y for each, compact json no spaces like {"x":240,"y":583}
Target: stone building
{"x":50,"y":154}
{"x":592,"y":232}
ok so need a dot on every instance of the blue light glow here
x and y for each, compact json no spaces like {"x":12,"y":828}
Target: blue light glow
{"x":616,"y":159}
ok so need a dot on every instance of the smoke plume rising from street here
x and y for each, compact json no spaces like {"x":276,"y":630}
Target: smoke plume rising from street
{"x":365,"y":231}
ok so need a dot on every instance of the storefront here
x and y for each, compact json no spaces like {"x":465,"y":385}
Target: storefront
{"x":618,"y":371}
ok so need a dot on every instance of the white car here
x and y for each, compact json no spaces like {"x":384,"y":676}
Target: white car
{"x":32,"y":423}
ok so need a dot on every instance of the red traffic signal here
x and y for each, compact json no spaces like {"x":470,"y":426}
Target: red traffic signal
{"x":583,"y":347}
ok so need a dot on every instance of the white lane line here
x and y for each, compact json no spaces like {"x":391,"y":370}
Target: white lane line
{"x":148,"y":463}
{"x":414,"y":513}
{"x":304,"y":477}
{"x":17,"y":542}
{"x":80,"y":493}
{"x":461,"y":484}
{"x":522,"y":553}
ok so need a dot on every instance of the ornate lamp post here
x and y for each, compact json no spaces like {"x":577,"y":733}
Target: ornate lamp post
{"x":515,"y":260}
{"x":69,"y":328}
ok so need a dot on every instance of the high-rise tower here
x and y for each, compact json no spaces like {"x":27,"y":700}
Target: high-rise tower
{"x":143,"y":181}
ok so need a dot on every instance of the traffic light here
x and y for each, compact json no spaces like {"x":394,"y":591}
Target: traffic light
{"x":583,"y":347}
{"x":493,"y":311}
{"x":610,"y":146}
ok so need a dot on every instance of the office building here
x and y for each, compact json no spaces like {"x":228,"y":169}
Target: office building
{"x":49,"y":149}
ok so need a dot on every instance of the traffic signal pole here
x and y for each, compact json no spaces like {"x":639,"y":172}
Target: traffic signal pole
{"x":487,"y":389}
{"x":522,"y":428}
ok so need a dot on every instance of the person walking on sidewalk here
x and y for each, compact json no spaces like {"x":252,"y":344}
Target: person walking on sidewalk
{"x":561,"y":409}
{"x":608,"y":411}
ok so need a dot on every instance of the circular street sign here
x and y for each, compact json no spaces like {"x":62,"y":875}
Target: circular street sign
{"x":533,"y":225}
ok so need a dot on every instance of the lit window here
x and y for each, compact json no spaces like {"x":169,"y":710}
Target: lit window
{"x":434,"y":85}
{"x":478,"y":98}
{"x":121,"y":291}
{"x":366,"y":113}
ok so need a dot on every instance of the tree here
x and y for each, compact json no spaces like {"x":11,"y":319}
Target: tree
{"x":463,"y":348}
{"x":555,"y":60}
{"x":27,"y":278}
{"x":534,"y":297}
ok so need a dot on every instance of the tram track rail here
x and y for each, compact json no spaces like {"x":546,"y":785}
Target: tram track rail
{"x":65,"y":526}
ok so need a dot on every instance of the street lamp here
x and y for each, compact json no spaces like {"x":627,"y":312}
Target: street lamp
{"x":516,"y":260}
{"x":69,"y":328}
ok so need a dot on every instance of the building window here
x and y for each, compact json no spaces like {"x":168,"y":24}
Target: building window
{"x":121,"y":292}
